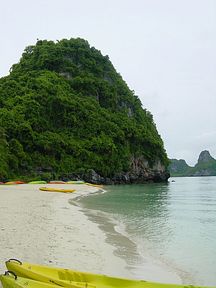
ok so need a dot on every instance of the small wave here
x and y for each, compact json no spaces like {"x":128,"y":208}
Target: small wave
{"x":74,"y":201}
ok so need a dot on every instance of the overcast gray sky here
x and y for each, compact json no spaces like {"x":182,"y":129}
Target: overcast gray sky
{"x":164,"y":49}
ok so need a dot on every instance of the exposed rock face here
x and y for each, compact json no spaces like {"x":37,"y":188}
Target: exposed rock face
{"x":206,"y":165}
{"x":205,"y":157}
{"x":140,"y":172}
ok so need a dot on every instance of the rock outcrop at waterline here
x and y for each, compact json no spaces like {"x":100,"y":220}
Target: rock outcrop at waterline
{"x":136,"y":175}
{"x":65,"y":109}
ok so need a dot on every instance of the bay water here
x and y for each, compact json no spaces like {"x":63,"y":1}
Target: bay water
{"x":172,"y":223}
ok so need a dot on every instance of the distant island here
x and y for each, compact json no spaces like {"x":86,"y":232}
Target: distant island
{"x":206,"y":166}
{"x":66,"y":113}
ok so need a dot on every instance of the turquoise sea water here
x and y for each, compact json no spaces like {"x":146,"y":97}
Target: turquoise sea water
{"x":173,"y":223}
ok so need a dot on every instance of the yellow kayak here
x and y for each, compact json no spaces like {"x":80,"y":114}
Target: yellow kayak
{"x":51,"y":189}
{"x":12,"y":281}
{"x":68,"y":278}
{"x":94,"y":185}
{"x":10,"y":183}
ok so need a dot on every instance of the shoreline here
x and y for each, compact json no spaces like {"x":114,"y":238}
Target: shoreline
{"x":143,"y":267}
{"x":45,"y":228}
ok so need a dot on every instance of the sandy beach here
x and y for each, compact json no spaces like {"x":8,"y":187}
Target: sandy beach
{"x":44,"y":228}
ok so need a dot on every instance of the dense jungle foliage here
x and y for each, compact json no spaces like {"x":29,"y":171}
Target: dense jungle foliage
{"x":64,"y":108}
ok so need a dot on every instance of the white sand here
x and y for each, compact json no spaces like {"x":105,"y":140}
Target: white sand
{"x":42,"y":227}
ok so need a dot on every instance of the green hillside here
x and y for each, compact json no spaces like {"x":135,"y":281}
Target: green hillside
{"x":65,"y":109}
{"x":178,"y":167}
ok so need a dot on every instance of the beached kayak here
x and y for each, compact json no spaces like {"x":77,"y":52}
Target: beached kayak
{"x":75,"y":182}
{"x":14,"y":182}
{"x":38,"y":182}
{"x":12,"y":281}
{"x":57,"y":182}
{"x":10,"y":183}
{"x":94,"y":185}
{"x":51,"y":189}
{"x":63,"y":277}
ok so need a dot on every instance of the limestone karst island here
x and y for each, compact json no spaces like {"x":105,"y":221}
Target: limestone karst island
{"x":205,"y":166}
{"x":66,"y":113}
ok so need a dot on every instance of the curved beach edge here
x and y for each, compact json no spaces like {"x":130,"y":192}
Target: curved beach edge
{"x":44,"y":228}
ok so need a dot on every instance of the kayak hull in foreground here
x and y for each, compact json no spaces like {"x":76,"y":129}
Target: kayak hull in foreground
{"x":9,"y":281}
{"x":63,"y":277}
{"x":14,"y":281}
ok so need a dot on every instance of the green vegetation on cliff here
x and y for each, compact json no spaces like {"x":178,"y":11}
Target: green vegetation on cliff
{"x":64,"y":108}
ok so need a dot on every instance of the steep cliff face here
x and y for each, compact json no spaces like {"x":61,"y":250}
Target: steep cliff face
{"x":140,"y":171}
{"x":205,"y":157}
{"x":66,"y":112}
{"x":206,"y":165}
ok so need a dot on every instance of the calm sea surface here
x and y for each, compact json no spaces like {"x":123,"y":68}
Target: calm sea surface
{"x":174,"y":223}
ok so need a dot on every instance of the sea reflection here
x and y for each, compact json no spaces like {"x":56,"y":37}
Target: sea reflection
{"x":174,"y":222}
